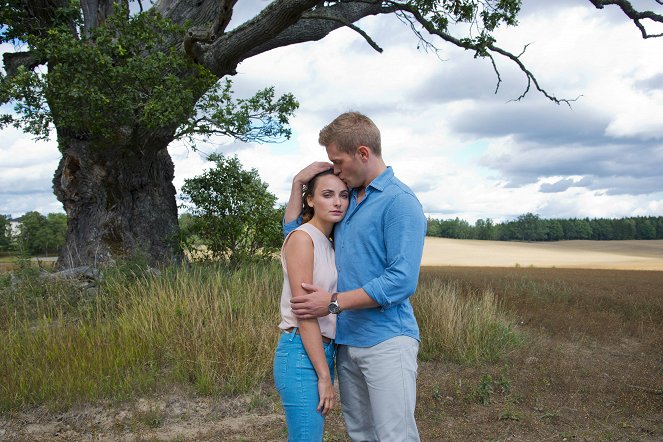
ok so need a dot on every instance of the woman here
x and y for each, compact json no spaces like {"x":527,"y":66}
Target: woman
{"x":304,"y":358}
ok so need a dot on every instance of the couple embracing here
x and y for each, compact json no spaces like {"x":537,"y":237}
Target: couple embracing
{"x":351,"y":257}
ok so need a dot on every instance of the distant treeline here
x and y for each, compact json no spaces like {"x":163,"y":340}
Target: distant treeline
{"x":33,"y":233}
{"x":531,"y":227}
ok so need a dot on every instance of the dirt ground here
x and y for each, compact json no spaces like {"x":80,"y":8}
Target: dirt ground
{"x":590,"y":367}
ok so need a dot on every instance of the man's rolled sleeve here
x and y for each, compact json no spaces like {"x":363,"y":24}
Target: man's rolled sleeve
{"x":292,"y":225}
{"x":404,"y":232}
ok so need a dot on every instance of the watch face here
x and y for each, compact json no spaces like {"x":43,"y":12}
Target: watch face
{"x":334,"y":308}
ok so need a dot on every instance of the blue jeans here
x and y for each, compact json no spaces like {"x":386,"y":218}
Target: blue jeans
{"x":297,"y":383}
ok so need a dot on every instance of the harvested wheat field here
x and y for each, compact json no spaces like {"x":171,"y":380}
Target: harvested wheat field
{"x":633,"y":255}
{"x":587,"y":365}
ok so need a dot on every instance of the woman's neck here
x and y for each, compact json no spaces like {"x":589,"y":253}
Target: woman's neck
{"x":323,"y":226}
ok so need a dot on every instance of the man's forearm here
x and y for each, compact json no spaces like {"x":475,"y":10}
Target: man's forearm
{"x":294,"y":207}
{"x":315,"y":303}
{"x":355,"y":299}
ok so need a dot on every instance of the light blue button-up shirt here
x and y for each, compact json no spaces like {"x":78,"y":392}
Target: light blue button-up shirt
{"x":378,"y":247}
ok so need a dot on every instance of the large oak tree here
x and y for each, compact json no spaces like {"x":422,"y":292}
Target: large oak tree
{"x":119,"y":87}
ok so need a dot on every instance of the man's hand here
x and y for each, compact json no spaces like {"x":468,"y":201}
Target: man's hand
{"x":294,"y":207}
{"x":314,"y":304}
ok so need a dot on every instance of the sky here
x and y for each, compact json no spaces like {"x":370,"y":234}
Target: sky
{"x":465,"y":150}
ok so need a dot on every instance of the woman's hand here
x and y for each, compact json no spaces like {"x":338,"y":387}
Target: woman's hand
{"x":327,"y":396}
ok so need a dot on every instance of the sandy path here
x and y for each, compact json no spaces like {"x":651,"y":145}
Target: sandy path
{"x":632,"y":255}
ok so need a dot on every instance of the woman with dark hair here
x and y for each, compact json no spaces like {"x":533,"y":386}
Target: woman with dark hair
{"x":304,"y":357}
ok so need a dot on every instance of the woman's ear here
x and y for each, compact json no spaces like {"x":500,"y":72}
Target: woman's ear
{"x":309,"y":200}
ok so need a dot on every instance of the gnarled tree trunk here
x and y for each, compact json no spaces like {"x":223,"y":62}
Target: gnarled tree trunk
{"x":120,"y":200}
{"x":120,"y":203}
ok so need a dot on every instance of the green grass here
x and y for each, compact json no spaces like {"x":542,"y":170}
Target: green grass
{"x":206,"y":327}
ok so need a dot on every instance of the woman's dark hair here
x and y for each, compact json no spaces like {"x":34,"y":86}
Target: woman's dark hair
{"x":309,"y":189}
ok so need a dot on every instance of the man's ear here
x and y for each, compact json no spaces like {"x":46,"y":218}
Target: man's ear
{"x":364,"y":153}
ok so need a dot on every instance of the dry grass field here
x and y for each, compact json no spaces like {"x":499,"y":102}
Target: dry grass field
{"x":589,"y":366}
{"x":624,"y":255}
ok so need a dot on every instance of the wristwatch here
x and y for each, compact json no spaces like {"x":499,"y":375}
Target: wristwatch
{"x":334,"y":308}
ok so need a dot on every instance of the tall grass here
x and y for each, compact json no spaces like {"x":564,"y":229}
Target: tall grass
{"x":467,"y":327}
{"x":205,"y":326}
{"x":208,"y":327}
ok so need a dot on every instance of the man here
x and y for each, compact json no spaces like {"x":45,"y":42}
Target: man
{"x":378,"y":253}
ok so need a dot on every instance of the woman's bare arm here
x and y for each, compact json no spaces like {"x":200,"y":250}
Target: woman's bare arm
{"x":299,"y":262}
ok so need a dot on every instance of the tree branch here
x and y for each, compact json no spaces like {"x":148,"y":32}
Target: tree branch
{"x":14,"y":60}
{"x":530,"y":78}
{"x":223,"y":55}
{"x":632,"y":13}
{"x":497,"y":72}
{"x":282,"y":23}
{"x":95,"y":12}
{"x":468,"y":45}
{"x":357,"y":29}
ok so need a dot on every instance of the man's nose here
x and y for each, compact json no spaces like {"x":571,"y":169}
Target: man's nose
{"x":336,"y":170}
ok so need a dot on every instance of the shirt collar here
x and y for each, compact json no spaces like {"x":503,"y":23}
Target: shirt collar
{"x":381,"y":180}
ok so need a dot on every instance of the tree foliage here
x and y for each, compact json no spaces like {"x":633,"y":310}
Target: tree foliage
{"x":42,"y":235}
{"x":119,"y":87}
{"x":531,"y":227}
{"x":127,"y":73}
{"x":232,"y":213}
{"x":5,"y":233}
{"x":115,"y":69}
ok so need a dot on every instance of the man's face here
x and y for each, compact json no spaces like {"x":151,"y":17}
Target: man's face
{"x":347,"y":167}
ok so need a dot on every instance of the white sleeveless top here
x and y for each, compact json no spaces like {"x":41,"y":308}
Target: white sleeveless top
{"x":324,"y":277}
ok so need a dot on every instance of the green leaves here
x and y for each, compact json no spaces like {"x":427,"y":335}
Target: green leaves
{"x":26,"y":90}
{"x":127,"y":75}
{"x":482,"y":14}
{"x":234,"y":215}
{"x":476,"y":18}
{"x":259,"y":118}
{"x":41,"y":234}
{"x":5,"y":232}
{"x":21,"y":20}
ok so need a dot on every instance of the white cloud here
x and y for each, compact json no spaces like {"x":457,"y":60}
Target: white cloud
{"x":466,"y":151}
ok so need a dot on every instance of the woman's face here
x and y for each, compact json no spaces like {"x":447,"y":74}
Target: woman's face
{"x":330,"y":198}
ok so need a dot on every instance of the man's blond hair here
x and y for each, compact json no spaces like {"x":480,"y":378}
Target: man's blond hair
{"x":350,"y":130}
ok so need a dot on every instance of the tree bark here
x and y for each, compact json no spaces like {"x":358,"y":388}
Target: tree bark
{"x":120,"y":204}
{"x":120,"y":199}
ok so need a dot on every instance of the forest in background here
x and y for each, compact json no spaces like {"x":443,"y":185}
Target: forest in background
{"x":531,"y":227}
{"x":39,"y":234}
